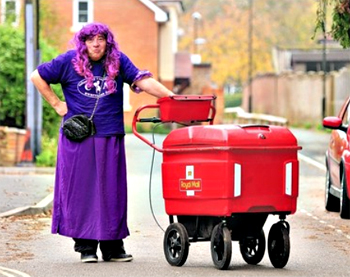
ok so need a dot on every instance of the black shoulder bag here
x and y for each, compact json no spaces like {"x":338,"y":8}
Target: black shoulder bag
{"x":79,"y":127}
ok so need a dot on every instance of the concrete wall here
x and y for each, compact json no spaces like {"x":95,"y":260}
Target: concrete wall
{"x":298,"y":96}
{"x":341,"y":89}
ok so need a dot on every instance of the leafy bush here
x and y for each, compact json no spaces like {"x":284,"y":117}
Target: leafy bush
{"x":13,"y":81}
{"x":12,"y":77}
{"x":233,"y":100}
{"x":47,"y":156}
{"x":150,"y":128}
{"x":51,"y":120}
{"x":13,"y":91}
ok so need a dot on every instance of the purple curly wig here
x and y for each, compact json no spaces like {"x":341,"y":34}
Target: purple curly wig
{"x":81,"y":62}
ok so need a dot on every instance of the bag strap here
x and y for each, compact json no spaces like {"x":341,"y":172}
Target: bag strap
{"x":93,"y":112}
{"x":98,"y":98}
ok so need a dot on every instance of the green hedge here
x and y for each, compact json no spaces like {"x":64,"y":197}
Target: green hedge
{"x":12,"y":77}
{"x":13,"y":81}
{"x":233,"y":100}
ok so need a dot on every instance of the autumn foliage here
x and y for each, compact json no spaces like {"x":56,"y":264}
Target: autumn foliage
{"x":225,"y":27}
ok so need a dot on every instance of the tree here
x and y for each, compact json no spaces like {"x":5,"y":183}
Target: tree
{"x":12,"y":77}
{"x":13,"y":80}
{"x":340,"y":27}
{"x":225,"y":25}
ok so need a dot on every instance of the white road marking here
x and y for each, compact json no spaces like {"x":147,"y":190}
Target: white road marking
{"x":8,"y":272}
{"x":323,"y":168}
{"x":5,"y":274}
{"x":312,"y":162}
{"x":339,"y":231}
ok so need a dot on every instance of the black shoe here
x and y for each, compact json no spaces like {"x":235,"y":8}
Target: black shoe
{"x":88,"y":257}
{"x":122,"y":257}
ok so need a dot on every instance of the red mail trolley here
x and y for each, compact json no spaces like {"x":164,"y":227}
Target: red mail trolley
{"x":221,"y":182}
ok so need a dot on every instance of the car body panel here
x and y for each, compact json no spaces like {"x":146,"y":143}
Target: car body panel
{"x":338,"y":152}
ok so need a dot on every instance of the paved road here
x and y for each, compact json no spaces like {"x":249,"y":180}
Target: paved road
{"x":314,"y":143}
{"x":29,"y":247}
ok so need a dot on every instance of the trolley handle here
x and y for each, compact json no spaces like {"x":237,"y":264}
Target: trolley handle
{"x":136,"y":119}
{"x":151,"y":119}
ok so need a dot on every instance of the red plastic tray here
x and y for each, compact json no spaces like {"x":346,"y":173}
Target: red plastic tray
{"x":182,"y":108}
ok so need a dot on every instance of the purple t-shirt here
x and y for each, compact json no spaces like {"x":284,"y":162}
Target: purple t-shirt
{"x":108,"y":117}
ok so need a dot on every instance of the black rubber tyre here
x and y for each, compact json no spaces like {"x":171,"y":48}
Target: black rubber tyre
{"x":344,"y":199}
{"x":221,"y":246}
{"x":253,"y":249}
{"x":279,"y":245}
{"x":332,"y":203}
{"x":176,"y":244}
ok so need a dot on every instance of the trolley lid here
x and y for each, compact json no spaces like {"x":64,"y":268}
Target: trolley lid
{"x":235,"y":136}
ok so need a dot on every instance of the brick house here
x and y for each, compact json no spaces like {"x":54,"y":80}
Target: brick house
{"x":145,"y":30}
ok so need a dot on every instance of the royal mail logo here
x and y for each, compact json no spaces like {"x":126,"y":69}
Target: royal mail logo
{"x":194,"y":185}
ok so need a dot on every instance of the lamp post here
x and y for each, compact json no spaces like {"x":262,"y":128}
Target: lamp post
{"x":196,"y":17}
{"x":196,"y":57}
{"x":33,"y":99}
{"x":324,"y":61}
{"x":250,"y":43}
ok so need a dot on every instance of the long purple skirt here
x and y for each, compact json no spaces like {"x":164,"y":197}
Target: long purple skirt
{"x":90,"y":197}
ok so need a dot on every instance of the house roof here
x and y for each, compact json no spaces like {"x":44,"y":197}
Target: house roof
{"x":159,"y":14}
{"x":178,"y":3}
{"x":317,"y":55}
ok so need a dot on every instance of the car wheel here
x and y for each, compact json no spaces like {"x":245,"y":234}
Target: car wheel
{"x":332,"y":203}
{"x":344,"y":199}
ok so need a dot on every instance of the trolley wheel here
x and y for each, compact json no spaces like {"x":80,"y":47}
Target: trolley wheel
{"x":279,"y":244}
{"x":253,"y":248}
{"x":221,"y":246}
{"x":176,"y":244}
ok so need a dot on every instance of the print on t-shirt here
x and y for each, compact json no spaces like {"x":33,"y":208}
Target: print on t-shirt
{"x":98,"y":90}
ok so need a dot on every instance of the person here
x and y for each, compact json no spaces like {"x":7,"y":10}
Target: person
{"x":90,"y":194}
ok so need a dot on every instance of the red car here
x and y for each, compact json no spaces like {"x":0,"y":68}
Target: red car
{"x":338,"y":163}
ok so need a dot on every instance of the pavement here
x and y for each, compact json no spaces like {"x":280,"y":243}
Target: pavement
{"x":25,"y":190}
{"x":28,"y":190}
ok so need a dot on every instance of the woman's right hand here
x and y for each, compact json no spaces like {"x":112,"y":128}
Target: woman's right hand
{"x":61,"y":108}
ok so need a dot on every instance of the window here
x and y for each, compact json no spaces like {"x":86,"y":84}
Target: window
{"x":82,"y":13}
{"x":10,"y":12}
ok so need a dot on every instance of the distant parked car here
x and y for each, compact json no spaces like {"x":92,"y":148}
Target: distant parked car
{"x":338,"y":162}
